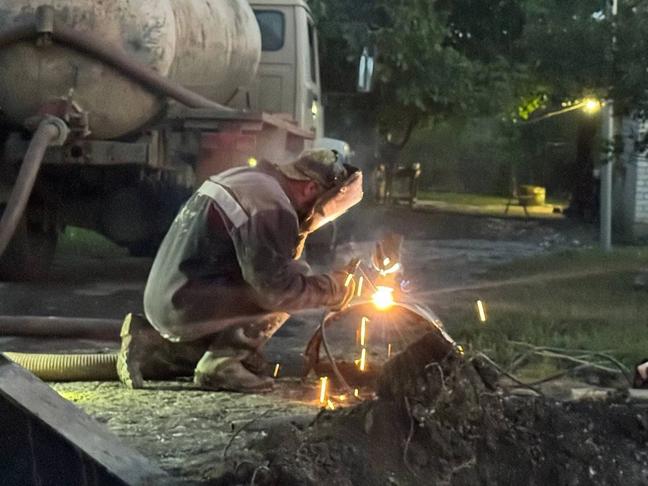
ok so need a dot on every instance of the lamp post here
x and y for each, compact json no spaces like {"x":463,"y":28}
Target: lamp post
{"x":606,"y":169}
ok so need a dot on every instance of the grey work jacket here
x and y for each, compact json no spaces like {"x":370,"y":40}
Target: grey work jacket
{"x":229,"y":257}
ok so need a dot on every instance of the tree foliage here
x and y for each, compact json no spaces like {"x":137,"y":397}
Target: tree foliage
{"x":430,"y":63}
{"x":479,"y":57}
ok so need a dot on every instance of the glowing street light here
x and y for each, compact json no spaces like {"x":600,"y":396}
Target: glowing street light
{"x":591,"y":105}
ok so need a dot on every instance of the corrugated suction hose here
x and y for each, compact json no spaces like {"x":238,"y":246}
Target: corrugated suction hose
{"x":68,"y":367}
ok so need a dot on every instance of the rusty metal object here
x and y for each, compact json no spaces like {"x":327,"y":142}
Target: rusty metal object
{"x":213,"y":47}
{"x":414,"y":312}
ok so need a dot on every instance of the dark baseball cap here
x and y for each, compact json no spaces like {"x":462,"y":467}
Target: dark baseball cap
{"x":320,"y":165}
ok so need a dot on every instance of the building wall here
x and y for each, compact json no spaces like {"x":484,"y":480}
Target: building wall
{"x":631,"y":183}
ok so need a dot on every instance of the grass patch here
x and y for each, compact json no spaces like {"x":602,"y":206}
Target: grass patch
{"x":84,"y":242}
{"x":582,"y":300}
{"x":468,"y":199}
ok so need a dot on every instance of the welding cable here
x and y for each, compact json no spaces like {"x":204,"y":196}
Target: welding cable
{"x":110,"y":55}
{"x":68,"y":367}
{"x":331,"y":359}
{"x":50,"y":131}
{"x":364,"y":274}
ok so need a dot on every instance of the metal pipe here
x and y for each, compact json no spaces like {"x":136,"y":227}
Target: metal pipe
{"x":607,"y":170}
{"x":99,"y":50}
{"x":60,"y":327}
{"x":50,"y":131}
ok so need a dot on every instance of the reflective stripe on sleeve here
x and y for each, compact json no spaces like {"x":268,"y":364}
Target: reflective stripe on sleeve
{"x":226,"y":202}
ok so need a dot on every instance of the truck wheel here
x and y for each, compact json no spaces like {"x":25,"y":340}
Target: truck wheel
{"x":29,"y":254}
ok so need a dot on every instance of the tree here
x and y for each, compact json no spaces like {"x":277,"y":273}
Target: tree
{"x":430,"y":63}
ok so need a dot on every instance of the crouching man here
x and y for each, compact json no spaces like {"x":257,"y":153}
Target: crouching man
{"x":227,"y":274}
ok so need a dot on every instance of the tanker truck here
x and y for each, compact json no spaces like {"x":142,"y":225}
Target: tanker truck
{"x":112,"y":112}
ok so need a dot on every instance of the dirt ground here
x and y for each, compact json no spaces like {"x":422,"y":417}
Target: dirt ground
{"x":199,"y":437}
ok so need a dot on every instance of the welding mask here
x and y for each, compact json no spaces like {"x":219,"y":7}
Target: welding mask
{"x":335,"y":201}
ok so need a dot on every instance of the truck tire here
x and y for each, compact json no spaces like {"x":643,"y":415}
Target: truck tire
{"x":29,"y":254}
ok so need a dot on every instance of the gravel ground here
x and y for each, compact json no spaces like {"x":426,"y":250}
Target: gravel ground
{"x":186,"y":430}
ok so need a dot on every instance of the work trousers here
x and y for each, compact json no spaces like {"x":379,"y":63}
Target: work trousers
{"x":240,"y":341}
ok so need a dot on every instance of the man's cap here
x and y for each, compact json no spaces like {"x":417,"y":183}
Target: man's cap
{"x":320,"y":165}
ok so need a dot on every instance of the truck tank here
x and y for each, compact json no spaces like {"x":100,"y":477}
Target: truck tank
{"x":210,"y":46}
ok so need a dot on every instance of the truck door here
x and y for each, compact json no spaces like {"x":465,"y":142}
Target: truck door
{"x":276,"y":88}
{"x":310,"y":94}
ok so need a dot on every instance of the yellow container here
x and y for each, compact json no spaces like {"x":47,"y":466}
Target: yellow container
{"x":531,"y":195}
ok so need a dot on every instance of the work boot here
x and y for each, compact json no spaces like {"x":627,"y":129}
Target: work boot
{"x":145,"y":353}
{"x":228,"y":373}
{"x":256,"y":363}
{"x":136,"y":337}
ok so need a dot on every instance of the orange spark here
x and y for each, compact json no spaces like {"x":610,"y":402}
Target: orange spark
{"x":323,"y":389}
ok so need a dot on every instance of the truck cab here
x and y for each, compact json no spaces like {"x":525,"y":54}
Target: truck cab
{"x":288,"y":79}
{"x":129,"y":187}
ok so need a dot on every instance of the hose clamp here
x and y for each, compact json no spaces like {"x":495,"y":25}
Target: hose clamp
{"x":62,"y":128}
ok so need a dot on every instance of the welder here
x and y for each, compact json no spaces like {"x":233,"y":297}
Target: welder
{"x":228,"y":273}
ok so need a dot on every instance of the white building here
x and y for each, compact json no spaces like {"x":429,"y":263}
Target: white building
{"x":631,"y":183}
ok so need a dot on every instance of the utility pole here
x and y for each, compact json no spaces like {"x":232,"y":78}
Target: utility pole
{"x":607,"y":168}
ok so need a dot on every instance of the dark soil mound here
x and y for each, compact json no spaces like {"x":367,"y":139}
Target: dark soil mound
{"x":439,"y":420}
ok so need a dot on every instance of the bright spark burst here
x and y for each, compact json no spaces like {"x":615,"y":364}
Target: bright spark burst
{"x":383,"y":298}
{"x":276,"y":370}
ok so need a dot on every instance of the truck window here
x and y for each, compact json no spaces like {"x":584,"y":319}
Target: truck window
{"x":272,"y":25}
{"x":312,"y":48}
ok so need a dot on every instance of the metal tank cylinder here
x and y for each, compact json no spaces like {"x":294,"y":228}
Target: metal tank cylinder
{"x":212,"y":46}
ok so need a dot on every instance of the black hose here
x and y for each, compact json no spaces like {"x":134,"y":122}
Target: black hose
{"x":60,"y":327}
{"x":49,"y":131}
